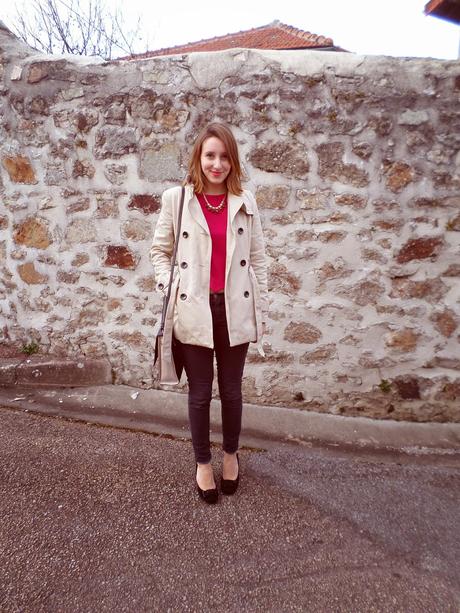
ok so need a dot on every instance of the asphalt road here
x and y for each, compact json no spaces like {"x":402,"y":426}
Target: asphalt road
{"x":97,"y":519}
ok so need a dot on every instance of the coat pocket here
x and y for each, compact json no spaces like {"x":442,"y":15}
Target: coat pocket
{"x":257,"y":303}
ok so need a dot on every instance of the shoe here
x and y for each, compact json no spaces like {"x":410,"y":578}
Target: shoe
{"x":229,"y":486}
{"x":209,"y":496}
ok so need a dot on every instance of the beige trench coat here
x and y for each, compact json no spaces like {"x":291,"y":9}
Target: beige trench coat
{"x":246,"y":302}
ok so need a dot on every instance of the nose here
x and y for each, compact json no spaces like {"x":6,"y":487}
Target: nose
{"x":217,"y":163}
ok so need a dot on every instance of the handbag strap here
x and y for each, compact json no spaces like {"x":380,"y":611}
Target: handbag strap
{"x":173,"y":261}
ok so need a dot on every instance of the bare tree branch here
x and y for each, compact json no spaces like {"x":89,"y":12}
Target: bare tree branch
{"x":76,"y":27}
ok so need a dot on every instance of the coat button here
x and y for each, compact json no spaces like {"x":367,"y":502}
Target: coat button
{"x":243,"y":262}
{"x":240,"y":230}
{"x":160,"y":286}
{"x":184,"y":265}
{"x":246,"y":294}
{"x":185,"y":234}
{"x":183,"y":296}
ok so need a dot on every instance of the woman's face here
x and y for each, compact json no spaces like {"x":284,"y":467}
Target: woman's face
{"x":215,"y":165}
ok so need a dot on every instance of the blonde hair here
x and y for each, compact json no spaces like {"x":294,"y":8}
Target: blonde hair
{"x":195,"y":174}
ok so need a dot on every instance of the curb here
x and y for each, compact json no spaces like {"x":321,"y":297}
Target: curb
{"x":37,"y":371}
{"x":166,"y":413}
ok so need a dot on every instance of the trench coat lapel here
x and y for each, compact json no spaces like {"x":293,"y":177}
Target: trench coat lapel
{"x":196,"y":212}
{"x":235,"y":203}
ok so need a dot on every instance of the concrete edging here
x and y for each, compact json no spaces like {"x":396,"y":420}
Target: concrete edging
{"x":165,"y":412}
{"x":39,"y":371}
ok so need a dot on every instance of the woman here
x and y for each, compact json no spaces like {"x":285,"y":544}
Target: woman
{"x":219,"y":291}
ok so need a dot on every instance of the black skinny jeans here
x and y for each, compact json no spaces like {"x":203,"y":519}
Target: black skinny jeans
{"x":199,"y":366}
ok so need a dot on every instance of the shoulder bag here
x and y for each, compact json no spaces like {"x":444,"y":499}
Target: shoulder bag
{"x":170,"y":363}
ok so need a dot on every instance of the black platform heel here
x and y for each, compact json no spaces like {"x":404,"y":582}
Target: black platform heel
{"x":229,"y":486}
{"x":209,"y":496}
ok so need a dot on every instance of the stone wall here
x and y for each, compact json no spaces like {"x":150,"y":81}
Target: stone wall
{"x":356,"y":166}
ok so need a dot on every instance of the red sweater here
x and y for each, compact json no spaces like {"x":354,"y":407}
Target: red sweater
{"x":217,"y":224}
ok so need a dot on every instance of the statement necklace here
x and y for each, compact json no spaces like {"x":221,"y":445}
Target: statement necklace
{"x":215,"y":209}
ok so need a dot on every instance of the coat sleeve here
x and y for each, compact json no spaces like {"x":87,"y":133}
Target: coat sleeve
{"x":258,"y":258}
{"x":163,"y":243}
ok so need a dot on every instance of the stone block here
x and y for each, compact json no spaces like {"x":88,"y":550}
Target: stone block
{"x":453,"y":225}
{"x":362,"y":149}
{"x":146,"y":203}
{"x":134,"y":340}
{"x":72,"y":93}
{"x":115,"y":113}
{"x":19,"y":169}
{"x":362,"y":293}
{"x":82,"y":204}
{"x":272,"y":196}
{"x":120,"y":256}
{"x":332,"y":167}
{"x":313,"y":199}
{"x":115,"y":141}
{"x":271,"y":356}
{"x":169,"y":120}
{"x":146,"y":284}
{"x":301,"y":332}
{"x":333,"y":270}
{"x":83,"y":168}
{"x":413,"y":118}
{"x":445,"y":322}
{"x":407,"y":387}
{"x":37,"y":105}
{"x":33,"y":232}
{"x":30,"y":275}
{"x":136,"y":230}
{"x":282,"y":280}
{"x":286,"y":158}
{"x":161,"y":163}
{"x":431,"y":290}
{"x":399,"y":175}
{"x":56,"y":174}
{"x":320,"y":355}
{"x":37,"y":72}
{"x":65,"y":276}
{"x":453,"y":270}
{"x":144,"y":105}
{"x":106,"y":208}
{"x":116,"y":173}
{"x":402,"y":340}
{"x":81,"y":231}
{"x":332,"y":236}
{"x":420,"y":249}
{"x":354,"y":201}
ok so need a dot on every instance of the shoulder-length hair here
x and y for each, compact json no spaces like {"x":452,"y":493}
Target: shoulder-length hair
{"x":195,"y":174}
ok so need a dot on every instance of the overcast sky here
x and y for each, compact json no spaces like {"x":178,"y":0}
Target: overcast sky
{"x":388,"y":27}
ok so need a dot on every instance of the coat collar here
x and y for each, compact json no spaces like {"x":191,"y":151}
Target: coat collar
{"x":235,"y":203}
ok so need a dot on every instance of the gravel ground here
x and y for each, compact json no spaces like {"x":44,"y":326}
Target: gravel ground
{"x":102,"y":519}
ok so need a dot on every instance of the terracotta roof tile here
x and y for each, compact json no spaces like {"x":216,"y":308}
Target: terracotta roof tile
{"x":445,"y":9}
{"x":275,"y":35}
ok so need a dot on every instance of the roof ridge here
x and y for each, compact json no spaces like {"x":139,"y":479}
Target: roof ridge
{"x":300,"y":34}
{"x":304,"y":34}
{"x":222,"y":36}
